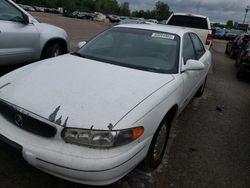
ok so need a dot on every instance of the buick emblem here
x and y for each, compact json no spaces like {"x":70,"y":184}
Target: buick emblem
{"x":18,"y":120}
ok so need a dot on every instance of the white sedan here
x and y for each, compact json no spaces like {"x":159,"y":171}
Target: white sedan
{"x":91,"y":117}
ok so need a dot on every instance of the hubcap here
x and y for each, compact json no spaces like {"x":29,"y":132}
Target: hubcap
{"x":160,"y":142}
{"x":57,"y":52}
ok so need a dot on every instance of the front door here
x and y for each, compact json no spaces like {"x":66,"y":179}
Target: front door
{"x":193,"y":48}
{"x":19,"y":43}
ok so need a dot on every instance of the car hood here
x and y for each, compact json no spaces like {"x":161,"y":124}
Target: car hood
{"x":79,"y":92}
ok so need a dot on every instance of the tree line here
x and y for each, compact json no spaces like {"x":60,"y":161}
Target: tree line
{"x":161,"y":11}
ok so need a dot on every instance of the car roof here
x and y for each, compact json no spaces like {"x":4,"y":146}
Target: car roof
{"x":189,"y":14}
{"x":158,"y":27}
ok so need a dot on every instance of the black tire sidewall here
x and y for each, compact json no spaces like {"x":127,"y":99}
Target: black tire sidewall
{"x":240,"y":70}
{"x":231,"y":54}
{"x":150,"y":162}
{"x":50,"y":50}
{"x":56,"y":46}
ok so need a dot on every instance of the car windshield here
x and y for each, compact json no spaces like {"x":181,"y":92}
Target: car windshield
{"x":135,"y":48}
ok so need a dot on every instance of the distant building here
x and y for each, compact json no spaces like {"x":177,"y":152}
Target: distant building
{"x":243,"y":27}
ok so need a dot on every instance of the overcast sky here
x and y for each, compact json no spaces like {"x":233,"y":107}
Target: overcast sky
{"x":216,"y":10}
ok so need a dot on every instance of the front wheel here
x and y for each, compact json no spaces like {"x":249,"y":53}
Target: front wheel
{"x":240,"y":71}
{"x":226,"y":51}
{"x":52,"y":50}
{"x":238,"y":59}
{"x":158,"y":146}
{"x":232,"y":54}
{"x":236,"y":64}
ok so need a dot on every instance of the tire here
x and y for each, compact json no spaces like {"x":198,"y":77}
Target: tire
{"x":52,"y":50}
{"x":232,"y":54}
{"x":238,"y":59}
{"x":226,"y":51}
{"x":237,"y":62}
{"x":201,"y":90}
{"x":240,"y":71}
{"x":158,"y":146}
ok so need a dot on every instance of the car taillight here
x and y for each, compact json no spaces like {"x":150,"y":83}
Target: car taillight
{"x":209,"y":39}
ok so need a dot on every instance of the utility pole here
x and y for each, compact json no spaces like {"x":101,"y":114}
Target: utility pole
{"x":247,"y":9}
{"x":198,"y":6}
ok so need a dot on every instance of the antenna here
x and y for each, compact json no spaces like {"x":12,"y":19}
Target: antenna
{"x":247,"y":9}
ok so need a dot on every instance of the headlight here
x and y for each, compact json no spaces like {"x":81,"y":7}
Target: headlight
{"x":101,"y":139}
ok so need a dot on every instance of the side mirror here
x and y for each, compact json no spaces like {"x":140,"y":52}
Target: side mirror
{"x":26,"y":19}
{"x":81,"y":44}
{"x":193,"y":65}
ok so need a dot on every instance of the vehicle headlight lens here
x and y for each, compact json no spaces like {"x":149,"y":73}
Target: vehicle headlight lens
{"x":101,"y":139}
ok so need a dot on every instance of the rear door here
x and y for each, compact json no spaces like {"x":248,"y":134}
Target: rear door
{"x":19,"y":43}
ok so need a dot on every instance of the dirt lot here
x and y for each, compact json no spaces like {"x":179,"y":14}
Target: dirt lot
{"x":77,"y":29}
{"x":210,"y":141}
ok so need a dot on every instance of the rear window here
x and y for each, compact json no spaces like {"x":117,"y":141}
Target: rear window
{"x":189,"y":21}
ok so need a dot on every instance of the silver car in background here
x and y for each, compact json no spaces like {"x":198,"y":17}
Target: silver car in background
{"x":23,"y":39}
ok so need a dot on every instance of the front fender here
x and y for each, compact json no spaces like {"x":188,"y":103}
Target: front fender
{"x":150,"y":113}
{"x":49,"y":33}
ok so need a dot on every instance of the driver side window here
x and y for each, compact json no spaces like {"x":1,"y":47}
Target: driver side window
{"x":10,"y":13}
{"x":199,"y":48}
{"x":188,"y":49}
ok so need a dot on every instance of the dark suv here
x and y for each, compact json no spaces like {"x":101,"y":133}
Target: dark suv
{"x":243,"y":60}
{"x":233,"y":47}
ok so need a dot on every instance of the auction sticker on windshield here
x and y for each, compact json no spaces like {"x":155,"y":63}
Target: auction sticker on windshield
{"x":163,"y":35}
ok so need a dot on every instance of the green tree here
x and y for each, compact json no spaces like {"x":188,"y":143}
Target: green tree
{"x":230,"y":24}
{"x":124,"y":9}
{"x":107,"y":6}
{"x":162,"y":11}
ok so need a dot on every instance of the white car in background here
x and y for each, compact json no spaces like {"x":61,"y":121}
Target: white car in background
{"x":107,"y":107}
{"x":198,"y":23}
{"x":23,"y":39}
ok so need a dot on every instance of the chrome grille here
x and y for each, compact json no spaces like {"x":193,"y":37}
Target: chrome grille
{"x":24,"y":121}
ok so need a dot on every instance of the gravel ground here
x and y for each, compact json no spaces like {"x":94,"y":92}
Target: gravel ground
{"x":209,"y":143}
{"x":77,"y":29}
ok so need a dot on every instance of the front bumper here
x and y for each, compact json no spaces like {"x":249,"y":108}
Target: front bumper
{"x":71,"y":162}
